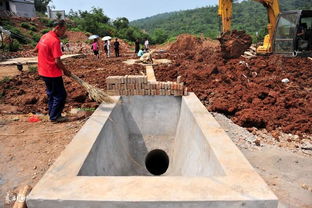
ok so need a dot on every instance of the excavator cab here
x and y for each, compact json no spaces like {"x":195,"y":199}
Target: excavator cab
{"x":293,"y":33}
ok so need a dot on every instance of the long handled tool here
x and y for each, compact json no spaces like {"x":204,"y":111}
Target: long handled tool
{"x":95,"y":93}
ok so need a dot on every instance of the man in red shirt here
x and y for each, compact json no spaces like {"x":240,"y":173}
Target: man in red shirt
{"x":51,"y":69}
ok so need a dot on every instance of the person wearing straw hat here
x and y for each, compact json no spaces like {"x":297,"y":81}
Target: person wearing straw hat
{"x":51,"y":69}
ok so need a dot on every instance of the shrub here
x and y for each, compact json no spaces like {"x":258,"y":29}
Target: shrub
{"x":44,"y":20}
{"x":49,"y":23}
{"x":44,"y":31}
{"x":15,"y":30}
{"x":75,"y":29}
{"x":64,"y":40}
{"x":25,"y":25}
{"x":13,"y":46}
{"x":33,"y":28}
{"x":33,"y":69}
{"x":36,"y":37}
{"x":5,"y":80}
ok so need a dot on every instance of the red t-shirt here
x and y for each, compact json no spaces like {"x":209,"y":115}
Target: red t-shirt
{"x":49,"y":48}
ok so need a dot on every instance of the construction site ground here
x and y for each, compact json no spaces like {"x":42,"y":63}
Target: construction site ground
{"x":270,"y":120}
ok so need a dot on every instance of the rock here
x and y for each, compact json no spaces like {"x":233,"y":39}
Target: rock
{"x":257,"y":142}
{"x":15,"y":118}
{"x":74,"y":111}
{"x":10,"y":198}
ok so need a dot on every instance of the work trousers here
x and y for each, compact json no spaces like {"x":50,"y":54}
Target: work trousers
{"x":56,"y":96}
{"x":117,"y":52}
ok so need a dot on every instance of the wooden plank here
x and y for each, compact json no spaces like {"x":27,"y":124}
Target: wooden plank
{"x":150,"y":73}
{"x":21,"y":197}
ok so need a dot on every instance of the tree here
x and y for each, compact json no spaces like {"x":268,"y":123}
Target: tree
{"x":41,"y":5}
{"x":159,"y":36}
{"x":121,"y":23}
{"x":58,"y":15}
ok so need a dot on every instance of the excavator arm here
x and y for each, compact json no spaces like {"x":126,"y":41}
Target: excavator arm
{"x":225,"y":12}
{"x":272,"y":6}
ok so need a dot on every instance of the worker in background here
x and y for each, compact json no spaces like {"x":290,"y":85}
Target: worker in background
{"x":137,"y":46}
{"x":105,"y":47}
{"x":51,"y":69}
{"x":146,"y":45}
{"x":116,"y":47}
{"x":108,"y":48}
{"x":95,"y":48}
{"x":140,"y":52}
{"x":146,"y":58}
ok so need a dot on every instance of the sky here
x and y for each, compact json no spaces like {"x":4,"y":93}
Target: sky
{"x":132,"y":9}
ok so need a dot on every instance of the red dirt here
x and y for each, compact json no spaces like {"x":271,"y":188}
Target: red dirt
{"x":186,"y":43}
{"x":234,"y":43}
{"x":27,"y":91}
{"x":248,"y":91}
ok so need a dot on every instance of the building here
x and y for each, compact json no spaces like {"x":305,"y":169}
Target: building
{"x":22,"y":8}
{"x":56,"y":14}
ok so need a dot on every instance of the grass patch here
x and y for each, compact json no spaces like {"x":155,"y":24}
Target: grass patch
{"x":5,"y":80}
{"x":33,"y":69}
{"x":36,"y":37}
{"x":44,"y":31}
{"x":13,"y":47}
{"x":25,"y":25}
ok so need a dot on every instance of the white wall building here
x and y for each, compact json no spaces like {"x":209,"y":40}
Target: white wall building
{"x":53,"y":14}
{"x":22,"y":8}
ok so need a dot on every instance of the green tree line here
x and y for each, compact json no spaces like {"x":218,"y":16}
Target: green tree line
{"x":96,"y":22}
{"x":248,"y":15}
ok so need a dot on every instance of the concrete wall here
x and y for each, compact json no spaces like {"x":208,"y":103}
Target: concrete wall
{"x":53,"y":14}
{"x":110,"y":153}
{"x":125,"y":140}
{"x":23,"y":9}
{"x":192,"y":153}
{"x":120,"y":148}
{"x":152,"y":115}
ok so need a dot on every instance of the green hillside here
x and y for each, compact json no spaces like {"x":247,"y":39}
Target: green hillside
{"x":248,"y":15}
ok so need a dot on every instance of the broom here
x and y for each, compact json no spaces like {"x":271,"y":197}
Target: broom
{"x":95,"y":93}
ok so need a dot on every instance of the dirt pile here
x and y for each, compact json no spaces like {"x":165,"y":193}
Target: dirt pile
{"x":74,"y":37}
{"x":186,"y":43}
{"x":234,"y":43}
{"x":250,"y":92}
{"x":27,"y":91}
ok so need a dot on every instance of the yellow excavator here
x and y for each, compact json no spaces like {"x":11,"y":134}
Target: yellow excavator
{"x":289,"y":33}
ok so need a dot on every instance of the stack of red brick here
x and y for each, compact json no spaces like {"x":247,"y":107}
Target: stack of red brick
{"x":139,"y":85}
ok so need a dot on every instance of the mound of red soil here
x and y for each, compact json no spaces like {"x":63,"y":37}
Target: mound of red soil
{"x":76,"y":36}
{"x":27,"y":91}
{"x":186,"y":42}
{"x":234,"y":43}
{"x":250,"y":92}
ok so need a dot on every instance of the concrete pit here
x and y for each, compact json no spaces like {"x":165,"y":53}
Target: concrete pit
{"x":151,"y":151}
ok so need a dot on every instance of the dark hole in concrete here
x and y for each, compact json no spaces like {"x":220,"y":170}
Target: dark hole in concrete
{"x":157,"y":162}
